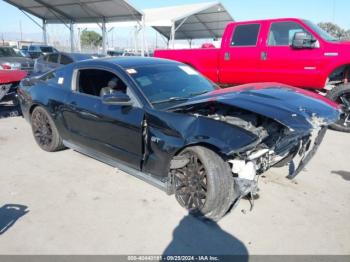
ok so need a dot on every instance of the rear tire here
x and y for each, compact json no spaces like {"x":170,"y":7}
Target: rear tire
{"x":44,"y":130}
{"x":341,"y":95}
{"x":205,"y":186}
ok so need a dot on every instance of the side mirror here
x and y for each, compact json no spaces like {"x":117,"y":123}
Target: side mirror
{"x":302,"y":40}
{"x":117,"y":98}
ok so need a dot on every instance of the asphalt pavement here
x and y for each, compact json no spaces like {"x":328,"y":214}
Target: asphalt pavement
{"x":68,"y":203}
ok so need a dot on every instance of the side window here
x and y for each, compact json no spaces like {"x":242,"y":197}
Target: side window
{"x":31,"y":48}
{"x":281,"y":33}
{"x":245,"y":35}
{"x":65,"y":60}
{"x":53,"y":58}
{"x":97,"y":82}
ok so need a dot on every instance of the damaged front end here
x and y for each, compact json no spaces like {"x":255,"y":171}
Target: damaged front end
{"x":277,"y":144}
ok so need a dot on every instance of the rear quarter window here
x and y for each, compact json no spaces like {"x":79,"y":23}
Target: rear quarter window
{"x":245,"y":35}
{"x":57,"y":78}
{"x":65,"y":60}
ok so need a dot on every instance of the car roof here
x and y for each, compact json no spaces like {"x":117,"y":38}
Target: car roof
{"x":136,"y":61}
{"x":40,"y":45}
{"x":269,"y":20}
{"x":77,"y":56}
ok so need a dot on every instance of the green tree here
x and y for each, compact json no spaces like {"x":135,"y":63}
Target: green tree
{"x":90,"y":38}
{"x":335,"y":30}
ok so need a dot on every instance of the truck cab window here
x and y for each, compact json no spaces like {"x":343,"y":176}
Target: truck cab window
{"x":282,"y":33}
{"x":245,"y":35}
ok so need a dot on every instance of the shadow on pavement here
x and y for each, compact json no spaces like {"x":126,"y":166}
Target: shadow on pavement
{"x":344,"y":174}
{"x":204,"y":237}
{"x":9,"y":214}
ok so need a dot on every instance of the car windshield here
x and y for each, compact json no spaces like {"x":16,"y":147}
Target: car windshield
{"x":46,"y":49}
{"x":8,"y":52}
{"x":165,"y":84}
{"x":322,"y":33}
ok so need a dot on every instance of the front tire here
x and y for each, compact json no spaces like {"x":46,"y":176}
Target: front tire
{"x":341,"y":95}
{"x":205,"y":186}
{"x":44,"y":130}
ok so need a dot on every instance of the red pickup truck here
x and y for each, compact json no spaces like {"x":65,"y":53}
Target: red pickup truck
{"x":290,"y":51}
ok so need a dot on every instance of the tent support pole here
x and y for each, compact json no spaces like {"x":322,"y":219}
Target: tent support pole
{"x":78,"y":40}
{"x":104,"y":51}
{"x":136,"y":36}
{"x":71,"y":34}
{"x":143,"y":35}
{"x":172,"y":36}
{"x":44,"y":32}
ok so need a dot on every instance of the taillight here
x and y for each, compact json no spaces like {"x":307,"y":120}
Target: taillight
{"x":6,"y":66}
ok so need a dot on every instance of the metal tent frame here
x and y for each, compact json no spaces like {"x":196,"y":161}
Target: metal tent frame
{"x":194,"y":21}
{"x":71,"y":12}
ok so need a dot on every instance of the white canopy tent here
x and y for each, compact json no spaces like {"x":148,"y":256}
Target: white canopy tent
{"x":185,"y":22}
{"x":194,"y":21}
{"x":70,"y":12}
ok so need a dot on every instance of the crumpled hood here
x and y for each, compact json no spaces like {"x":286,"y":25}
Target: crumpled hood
{"x":293,"y":107}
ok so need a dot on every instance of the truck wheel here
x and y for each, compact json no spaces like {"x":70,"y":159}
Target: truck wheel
{"x":44,"y":130}
{"x":205,"y":186}
{"x":341,"y":94}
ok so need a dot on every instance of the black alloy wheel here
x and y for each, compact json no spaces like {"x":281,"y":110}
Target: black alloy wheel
{"x":344,"y":99}
{"x":41,"y":129}
{"x":44,"y":130}
{"x":191,"y":184}
{"x":341,"y":95}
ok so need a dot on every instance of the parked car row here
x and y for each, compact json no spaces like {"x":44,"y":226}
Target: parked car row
{"x":16,"y":64}
{"x":55,"y":60}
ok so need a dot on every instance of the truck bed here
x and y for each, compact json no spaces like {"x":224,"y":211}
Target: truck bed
{"x":205,"y":60}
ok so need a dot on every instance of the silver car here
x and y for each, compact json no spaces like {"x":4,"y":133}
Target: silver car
{"x":10,"y":59}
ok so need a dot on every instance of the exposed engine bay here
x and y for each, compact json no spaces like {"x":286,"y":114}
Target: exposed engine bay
{"x":276,"y":144}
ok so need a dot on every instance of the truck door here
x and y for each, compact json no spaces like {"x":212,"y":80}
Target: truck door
{"x":281,"y":63}
{"x":240,"y":54}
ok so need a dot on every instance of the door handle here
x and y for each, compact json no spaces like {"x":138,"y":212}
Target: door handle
{"x":263,"y":56}
{"x":227,"y":56}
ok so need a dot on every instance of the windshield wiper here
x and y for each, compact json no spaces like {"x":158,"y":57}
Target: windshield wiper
{"x":175,"y":98}
{"x":171,"y":99}
{"x":199,"y":93}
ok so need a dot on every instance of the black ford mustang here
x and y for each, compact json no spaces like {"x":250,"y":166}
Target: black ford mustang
{"x":163,"y":122}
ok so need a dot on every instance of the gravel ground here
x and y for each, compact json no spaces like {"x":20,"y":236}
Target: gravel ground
{"x":72,"y":204}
